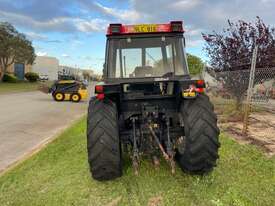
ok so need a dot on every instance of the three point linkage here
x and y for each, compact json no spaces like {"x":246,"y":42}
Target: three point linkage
{"x":168,"y":154}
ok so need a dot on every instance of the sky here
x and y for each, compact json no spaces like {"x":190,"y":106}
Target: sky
{"x":74,"y":30}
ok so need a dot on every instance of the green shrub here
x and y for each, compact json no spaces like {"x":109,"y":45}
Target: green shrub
{"x":32,"y":76}
{"x":10,"y":78}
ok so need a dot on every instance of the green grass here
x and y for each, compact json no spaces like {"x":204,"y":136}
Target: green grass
{"x":17,"y":87}
{"x":59,"y":175}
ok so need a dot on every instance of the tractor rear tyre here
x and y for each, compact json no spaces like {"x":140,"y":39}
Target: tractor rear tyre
{"x":201,"y":145}
{"x":103,"y":143}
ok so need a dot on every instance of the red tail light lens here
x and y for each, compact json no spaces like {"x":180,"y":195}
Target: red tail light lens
{"x":100,"y":96}
{"x":200,"y":90}
{"x":194,"y":88}
{"x":98,"y":89}
{"x":200,"y":83}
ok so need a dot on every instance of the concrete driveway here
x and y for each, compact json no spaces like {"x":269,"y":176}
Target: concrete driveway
{"x":29,"y":120}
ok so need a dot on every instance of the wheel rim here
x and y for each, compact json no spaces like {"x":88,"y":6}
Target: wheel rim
{"x":75,"y":97}
{"x":58,"y":96}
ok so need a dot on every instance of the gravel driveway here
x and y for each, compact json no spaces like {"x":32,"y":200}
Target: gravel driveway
{"x":29,"y":120}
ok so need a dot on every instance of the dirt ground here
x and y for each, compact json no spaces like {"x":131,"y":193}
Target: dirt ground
{"x":261,"y":131}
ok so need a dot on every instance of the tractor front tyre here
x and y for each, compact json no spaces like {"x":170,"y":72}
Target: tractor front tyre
{"x":200,"y":151}
{"x":103,"y":143}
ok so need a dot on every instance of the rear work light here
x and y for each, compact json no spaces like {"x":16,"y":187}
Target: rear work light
{"x":176,"y":26}
{"x":173,"y":26}
{"x":114,"y":29}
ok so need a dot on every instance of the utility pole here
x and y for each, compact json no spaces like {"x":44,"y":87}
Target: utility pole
{"x":250,"y":90}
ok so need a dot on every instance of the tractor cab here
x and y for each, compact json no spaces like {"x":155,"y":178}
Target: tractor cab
{"x":145,"y":51}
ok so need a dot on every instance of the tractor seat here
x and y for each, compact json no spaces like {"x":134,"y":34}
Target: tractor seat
{"x":143,"y":71}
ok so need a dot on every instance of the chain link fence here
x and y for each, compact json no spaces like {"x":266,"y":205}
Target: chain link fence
{"x":261,"y":109}
{"x":244,"y":101}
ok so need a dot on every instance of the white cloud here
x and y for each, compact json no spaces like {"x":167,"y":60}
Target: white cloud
{"x":267,"y":1}
{"x":27,"y":21}
{"x":184,"y":5}
{"x":36,"y":36}
{"x":199,"y":15}
{"x":87,"y":58}
{"x":59,"y":24}
{"x":65,"y":56}
{"x":127,"y":15}
{"x":194,"y":43}
{"x":41,"y":53}
{"x":77,"y":42}
{"x":191,"y":31}
{"x":90,"y":25}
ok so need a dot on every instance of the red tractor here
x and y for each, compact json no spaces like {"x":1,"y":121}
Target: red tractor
{"x":149,"y":105}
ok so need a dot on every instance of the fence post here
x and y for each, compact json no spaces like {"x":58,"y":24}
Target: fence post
{"x":250,"y":90}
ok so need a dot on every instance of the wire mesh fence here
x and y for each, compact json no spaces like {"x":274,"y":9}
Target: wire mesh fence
{"x":244,"y":101}
{"x":261,"y":119}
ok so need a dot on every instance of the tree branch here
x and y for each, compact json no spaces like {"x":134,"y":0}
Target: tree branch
{"x":11,"y":62}
{"x":2,"y":68}
{"x":1,"y":61}
{"x":5,"y":60}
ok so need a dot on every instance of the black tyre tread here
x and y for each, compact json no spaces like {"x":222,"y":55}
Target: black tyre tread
{"x":63,"y":96}
{"x":103,"y":142}
{"x":201,"y":131}
{"x":77,"y":95}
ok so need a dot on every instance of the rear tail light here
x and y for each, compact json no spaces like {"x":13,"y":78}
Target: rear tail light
{"x":200,"y":84}
{"x":195,"y":88}
{"x":199,"y":90}
{"x":100,"y":96}
{"x":99,"y":89}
